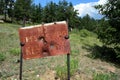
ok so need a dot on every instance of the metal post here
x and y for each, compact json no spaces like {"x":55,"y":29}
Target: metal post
{"x":20,"y":77}
{"x":21,"y":55}
{"x":68,"y":66}
{"x":21,"y":61}
{"x":68,"y":59}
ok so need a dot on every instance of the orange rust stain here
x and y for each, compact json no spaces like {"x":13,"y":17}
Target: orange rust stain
{"x":44,"y":40}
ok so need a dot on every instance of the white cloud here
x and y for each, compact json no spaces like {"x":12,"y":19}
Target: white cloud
{"x":102,"y":1}
{"x":87,"y":8}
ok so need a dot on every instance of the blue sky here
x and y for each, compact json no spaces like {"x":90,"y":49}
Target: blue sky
{"x":74,"y":2}
{"x":83,"y":6}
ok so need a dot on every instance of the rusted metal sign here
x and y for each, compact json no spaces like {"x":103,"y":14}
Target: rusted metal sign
{"x":45,"y":40}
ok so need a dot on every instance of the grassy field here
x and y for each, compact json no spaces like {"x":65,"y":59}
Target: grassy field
{"x":83,"y":64}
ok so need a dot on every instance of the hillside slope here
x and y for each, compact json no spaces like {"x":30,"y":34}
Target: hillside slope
{"x":83,"y":64}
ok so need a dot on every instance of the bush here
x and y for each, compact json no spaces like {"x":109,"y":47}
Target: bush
{"x":104,"y":53}
{"x":2,"y":57}
{"x":117,"y":51}
{"x":86,"y":33}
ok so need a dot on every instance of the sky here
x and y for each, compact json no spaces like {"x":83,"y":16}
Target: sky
{"x":83,"y":6}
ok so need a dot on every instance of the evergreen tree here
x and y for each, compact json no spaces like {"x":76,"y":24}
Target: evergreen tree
{"x":10,"y":9}
{"x":49,"y":12}
{"x":111,"y":10}
{"x":23,"y":9}
{"x":6,"y":7}
{"x":36,"y":15}
{"x":61,"y":11}
{"x":111,"y":33}
{"x":2,"y":7}
{"x":88,"y":23}
{"x":65,"y":11}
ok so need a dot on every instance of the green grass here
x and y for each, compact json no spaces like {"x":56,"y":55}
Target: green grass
{"x":8,"y":37}
{"x":15,"y":51}
{"x":84,"y":37}
{"x":103,"y":76}
{"x":2,"y":57}
{"x":61,"y":71}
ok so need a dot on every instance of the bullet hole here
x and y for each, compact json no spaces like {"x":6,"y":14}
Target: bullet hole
{"x":51,"y":46}
{"x":45,"y":52}
{"x":42,"y":39}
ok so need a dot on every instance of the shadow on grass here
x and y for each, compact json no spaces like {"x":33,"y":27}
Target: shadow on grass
{"x":104,"y":53}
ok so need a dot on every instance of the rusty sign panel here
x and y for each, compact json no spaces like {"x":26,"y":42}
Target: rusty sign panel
{"x":45,"y":40}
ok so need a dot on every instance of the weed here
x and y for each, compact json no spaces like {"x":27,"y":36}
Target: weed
{"x":2,"y":57}
{"x":15,"y":51}
{"x":75,"y":52}
{"x":61,"y":72}
{"x":101,"y":76}
{"x":73,"y":66}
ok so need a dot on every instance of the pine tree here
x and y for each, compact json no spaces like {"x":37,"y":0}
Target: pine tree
{"x":110,"y":35}
{"x":22,"y":9}
{"x":111,"y":10}
{"x":36,"y":14}
{"x":88,"y":23}
{"x":2,"y":7}
{"x":50,"y":12}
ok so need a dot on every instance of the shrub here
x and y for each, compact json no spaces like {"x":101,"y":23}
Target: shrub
{"x":86,"y":33}
{"x":104,"y":53}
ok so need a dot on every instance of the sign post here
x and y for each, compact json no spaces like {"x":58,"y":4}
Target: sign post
{"x":68,"y":66}
{"x":44,"y":40}
{"x":21,"y":61}
{"x":68,"y":62}
{"x":21,"y":54}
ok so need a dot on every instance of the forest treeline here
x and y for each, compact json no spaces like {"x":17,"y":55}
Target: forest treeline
{"x":18,"y":10}
{"x":107,"y":28}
